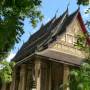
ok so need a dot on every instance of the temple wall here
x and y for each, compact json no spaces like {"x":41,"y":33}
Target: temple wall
{"x":47,"y":75}
{"x":23,"y":77}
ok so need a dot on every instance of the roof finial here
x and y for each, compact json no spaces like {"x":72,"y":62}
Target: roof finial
{"x":78,"y":7}
{"x":29,"y":34}
{"x":68,"y":4}
{"x":23,"y":42}
{"x":42,"y":25}
{"x":18,"y":48}
{"x":56,"y":13}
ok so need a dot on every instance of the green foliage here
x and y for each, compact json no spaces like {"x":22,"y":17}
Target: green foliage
{"x":87,"y":11}
{"x":83,"y":45}
{"x":80,"y":79}
{"x":12,"y":16}
{"x":81,"y":42}
{"x":6,"y":71}
{"x":83,"y":2}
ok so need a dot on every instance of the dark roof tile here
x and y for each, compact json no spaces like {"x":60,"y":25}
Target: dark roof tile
{"x":44,"y":34}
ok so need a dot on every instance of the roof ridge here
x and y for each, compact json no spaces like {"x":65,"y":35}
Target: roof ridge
{"x":50,"y":22}
{"x":51,"y":34}
{"x":42,"y":33}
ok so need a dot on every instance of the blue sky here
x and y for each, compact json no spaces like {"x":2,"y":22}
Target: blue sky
{"x":48,"y":8}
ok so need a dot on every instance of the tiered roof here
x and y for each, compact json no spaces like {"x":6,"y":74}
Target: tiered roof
{"x":45,"y":35}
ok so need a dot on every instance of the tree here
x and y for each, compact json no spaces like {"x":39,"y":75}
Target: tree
{"x":6,"y":69}
{"x":83,"y":2}
{"x":12,"y":15}
{"x":80,"y":78}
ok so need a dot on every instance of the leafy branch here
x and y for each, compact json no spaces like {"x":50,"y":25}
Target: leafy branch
{"x":6,"y":71}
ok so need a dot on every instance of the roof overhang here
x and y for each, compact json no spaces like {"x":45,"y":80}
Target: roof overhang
{"x":60,"y":57}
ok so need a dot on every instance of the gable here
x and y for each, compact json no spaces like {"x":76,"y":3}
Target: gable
{"x":65,"y":42}
{"x":74,"y":28}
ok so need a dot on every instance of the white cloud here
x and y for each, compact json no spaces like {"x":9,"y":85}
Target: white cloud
{"x":10,"y":56}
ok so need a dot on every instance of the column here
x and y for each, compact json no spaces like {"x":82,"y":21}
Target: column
{"x":38,"y":74}
{"x":8,"y":86}
{"x":12,"y":87}
{"x":66,"y":77}
{"x":29,"y":76}
{"x":50,"y":77}
{"x":15,"y":79}
{"x":22,"y":83}
{"x":3,"y":86}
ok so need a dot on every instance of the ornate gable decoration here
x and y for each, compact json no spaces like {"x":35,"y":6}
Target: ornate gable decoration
{"x":65,"y":42}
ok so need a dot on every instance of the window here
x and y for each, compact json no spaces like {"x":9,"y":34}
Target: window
{"x":69,"y":38}
{"x":63,"y":38}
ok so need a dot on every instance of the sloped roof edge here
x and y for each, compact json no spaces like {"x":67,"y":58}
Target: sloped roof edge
{"x":22,"y":51}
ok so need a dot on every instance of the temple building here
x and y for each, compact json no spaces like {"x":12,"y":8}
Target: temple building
{"x":45,"y":60}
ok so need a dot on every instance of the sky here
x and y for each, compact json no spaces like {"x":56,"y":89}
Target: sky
{"x":49,"y":8}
